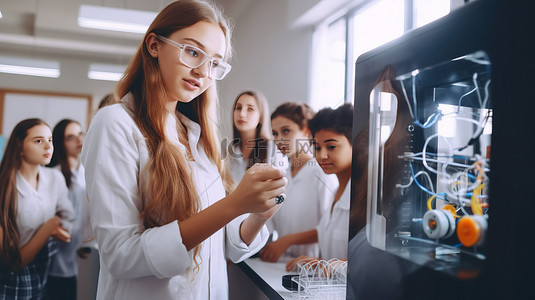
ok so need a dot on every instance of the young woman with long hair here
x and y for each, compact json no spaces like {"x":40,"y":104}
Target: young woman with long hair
{"x":309,"y":189}
{"x":33,"y":208}
{"x":160,"y":212}
{"x":68,"y":138}
{"x":252,"y":139}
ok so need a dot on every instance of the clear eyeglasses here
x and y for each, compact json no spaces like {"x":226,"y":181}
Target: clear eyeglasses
{"x":194,"y":57}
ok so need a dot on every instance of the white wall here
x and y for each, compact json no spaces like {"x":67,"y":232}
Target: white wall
{"x":269,"y":56}
{"x":73,"y":79}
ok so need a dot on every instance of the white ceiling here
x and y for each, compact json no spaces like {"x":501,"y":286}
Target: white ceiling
{"x":49,"y":27}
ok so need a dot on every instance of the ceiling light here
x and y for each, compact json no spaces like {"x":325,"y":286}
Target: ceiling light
{"x":67,"y":44}
{"x":105,"y":72}
{"x":28,"y":66}
{"x":0,"y":14}
{"x":115,"y":19}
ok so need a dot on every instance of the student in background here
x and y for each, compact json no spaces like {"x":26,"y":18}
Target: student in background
{"x":252,"y":139}
{"x":68,"y":138}
{"x":34,"y":209}
{"x":160,"y":214}
{"x":309,"y":191}
{"x":108,"y":99}
{"x":331,"y":130}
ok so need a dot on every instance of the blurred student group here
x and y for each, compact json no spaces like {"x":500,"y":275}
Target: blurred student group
{"x":313,"y":149}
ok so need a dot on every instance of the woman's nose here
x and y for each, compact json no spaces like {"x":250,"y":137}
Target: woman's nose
{"x":322,"y":153}
{"x":202,"y":70}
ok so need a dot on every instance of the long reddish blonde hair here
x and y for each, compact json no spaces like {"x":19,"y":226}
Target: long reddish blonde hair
{"x":11,"y":163}
{"x":169,"y":193}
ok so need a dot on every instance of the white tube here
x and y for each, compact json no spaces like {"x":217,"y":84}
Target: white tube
{"x":445,"y":163}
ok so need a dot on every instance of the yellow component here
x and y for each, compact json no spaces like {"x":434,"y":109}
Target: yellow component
{"x":468,"y":231}
{"x":476,"y":205}
{"x":429,"y":201}
{"x":451,"y":209}
{"x":479,"y":168}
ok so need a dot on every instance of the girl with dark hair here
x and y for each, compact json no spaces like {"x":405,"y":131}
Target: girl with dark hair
{"x":68,"y":138}
{"x":309,"y":190}
{"x":252,"y":139}
{"x":162,"y":218}
{"x":332,"y":130}
{"x":34,"y":208}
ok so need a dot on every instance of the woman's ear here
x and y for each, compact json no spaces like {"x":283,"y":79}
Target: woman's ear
{"x":307,"y":132}
{"x":151,"y":42}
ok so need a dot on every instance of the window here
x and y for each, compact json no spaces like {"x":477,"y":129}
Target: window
{"x":331,"y":67}
{"x":377,"y":23}
{"x":427,"y":11}
{"x":337,"y":44}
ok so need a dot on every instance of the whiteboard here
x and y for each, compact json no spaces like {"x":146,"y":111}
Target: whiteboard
{"x":50,"y":108}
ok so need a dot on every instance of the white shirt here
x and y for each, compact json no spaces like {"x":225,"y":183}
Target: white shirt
{"x":333,"y":230}
{"x":139,"y":263}
{"x":36,"y":206}
{"x":238,"y":165}
{"x":65,"y":263}
{"x":308,"y":197}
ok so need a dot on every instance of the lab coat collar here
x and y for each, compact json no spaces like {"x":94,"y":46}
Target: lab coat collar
{"x":78,"y":175}
{"x":24,"y":187}
{"x":194,"y":130}
{"x":194,"y":139}
{"x":237,"y":149}
{"x":79,"y":171}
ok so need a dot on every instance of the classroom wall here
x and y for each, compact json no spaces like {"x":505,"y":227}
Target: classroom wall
{"x":73,"y":79}
{"x":270,"y":56}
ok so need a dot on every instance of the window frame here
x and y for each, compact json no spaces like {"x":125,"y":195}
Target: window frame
{"x":348,"y":17}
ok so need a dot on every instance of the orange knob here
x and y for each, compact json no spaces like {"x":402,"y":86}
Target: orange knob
{"x":470,"y":230}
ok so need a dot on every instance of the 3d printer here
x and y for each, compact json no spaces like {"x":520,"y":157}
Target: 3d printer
{"x":441,"y":167}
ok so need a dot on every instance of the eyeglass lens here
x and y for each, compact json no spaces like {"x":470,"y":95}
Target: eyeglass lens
{"x":194,"y":57}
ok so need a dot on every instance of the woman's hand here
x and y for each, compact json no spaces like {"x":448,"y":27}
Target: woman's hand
{"x":303,"y":259}
{"x":56,"y":231}
{"x":325,"y":269}
{"x":257,"y":191}
{"x":266,"y":215}
{"x":273,"y":251}
{"x":61,"y":234}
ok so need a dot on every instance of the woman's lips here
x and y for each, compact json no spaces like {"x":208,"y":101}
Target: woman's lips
{"x":191,"y":84}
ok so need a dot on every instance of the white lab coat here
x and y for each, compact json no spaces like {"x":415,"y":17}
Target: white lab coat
{"x":36,"y":206}
{"x":308,"y":197}
{"x":333,"y":230}
{"x":139,"y":263}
